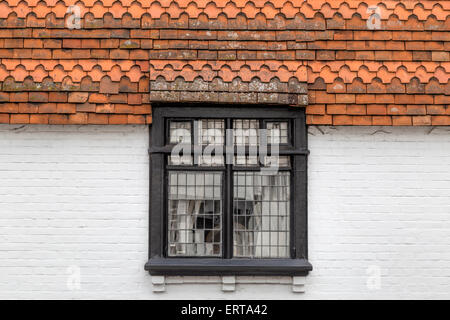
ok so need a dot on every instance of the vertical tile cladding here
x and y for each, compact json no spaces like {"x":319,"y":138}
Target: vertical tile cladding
{"x":364,"y":62}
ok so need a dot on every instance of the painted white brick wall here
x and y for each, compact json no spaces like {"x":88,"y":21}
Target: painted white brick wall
{"x":73,"y":199}
{"x":74,"y":206}
{"x":379,"y":202}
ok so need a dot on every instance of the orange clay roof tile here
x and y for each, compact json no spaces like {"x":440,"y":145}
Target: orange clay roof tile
{"x":127,"y":48}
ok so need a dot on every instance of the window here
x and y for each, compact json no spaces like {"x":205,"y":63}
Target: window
{"x":228,"y":191}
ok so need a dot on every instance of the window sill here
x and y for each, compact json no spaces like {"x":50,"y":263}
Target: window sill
{"x":214,"y":267}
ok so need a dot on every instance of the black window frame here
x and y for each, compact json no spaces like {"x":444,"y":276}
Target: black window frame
{"x":159,"y":263}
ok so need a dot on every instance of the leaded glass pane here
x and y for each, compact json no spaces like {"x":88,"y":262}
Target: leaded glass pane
{"x":245,"y":161}
{"x":210,"y":160}
{"x":179,"y":132}
{"x":246,"y":132}
{"x":277,"y":132}
{"x":278,"y":161}
{"x":177,"y":160}
{"x":261,"y":214}
{"x":211,"y":131}
{"x":195,"y":213}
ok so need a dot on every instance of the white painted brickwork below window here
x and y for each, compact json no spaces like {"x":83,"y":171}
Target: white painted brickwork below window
{"x":74,"y":216}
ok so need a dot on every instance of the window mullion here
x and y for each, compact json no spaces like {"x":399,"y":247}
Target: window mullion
{"x":228,"y":212}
